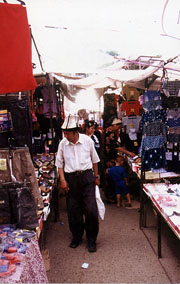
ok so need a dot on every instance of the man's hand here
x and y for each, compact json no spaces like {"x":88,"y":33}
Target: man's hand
{"x":64,"y":185}
{"x":97,"y":181}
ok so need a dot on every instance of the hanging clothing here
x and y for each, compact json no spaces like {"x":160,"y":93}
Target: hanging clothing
{"x":50,"y":102}
{"x":151,"y":96}
{"x":153,"y":159}
{"x":173,"y":161}
{"x":153,"y":116}
{"x":21,"y":121}
{"x":152,"y":142}
{"x":131,"y":107}
{"x":173,"y":137}
{"x":132,"y":134}
{"x":130,"y":92}
{"x":152,"y":105}
{"x":15,"y":50}
{"x":172,"y":87}
{"x":173,"y":113}
{"x":128,"y":120}
{"x":170,"y":102}
{"x":154,"y":129}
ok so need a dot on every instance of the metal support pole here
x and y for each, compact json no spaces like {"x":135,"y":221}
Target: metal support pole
{"x":50,"y":111}
{"x":142,"y":219}
{"x":159,"y":234}
{"x":141,"y":210}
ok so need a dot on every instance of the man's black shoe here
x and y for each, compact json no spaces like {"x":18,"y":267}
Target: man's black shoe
{"x":91,"y":246}
{"x":74,"y":243}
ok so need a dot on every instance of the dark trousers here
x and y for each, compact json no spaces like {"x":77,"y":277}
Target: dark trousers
{"x":81,"y":202}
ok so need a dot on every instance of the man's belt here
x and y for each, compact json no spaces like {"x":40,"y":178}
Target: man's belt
{"x":78,"y":173}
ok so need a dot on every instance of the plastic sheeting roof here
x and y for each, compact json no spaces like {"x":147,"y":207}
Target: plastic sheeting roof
{"x":74,"y":36}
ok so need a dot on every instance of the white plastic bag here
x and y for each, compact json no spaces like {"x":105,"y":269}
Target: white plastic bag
{"x":100,"y":204}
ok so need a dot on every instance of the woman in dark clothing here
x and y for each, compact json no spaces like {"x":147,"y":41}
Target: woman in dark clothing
{"x":89,"y":129}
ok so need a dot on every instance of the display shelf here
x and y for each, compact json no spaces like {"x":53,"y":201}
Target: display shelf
{"x":46,"y":174}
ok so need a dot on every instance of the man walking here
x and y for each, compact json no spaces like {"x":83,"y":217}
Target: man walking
{"x":77,"y":165}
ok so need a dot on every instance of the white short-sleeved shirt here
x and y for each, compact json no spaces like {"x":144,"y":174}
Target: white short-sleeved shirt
{"x":76,"y":157}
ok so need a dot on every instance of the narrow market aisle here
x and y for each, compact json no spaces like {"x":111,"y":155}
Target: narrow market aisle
{"x":123,"y":255}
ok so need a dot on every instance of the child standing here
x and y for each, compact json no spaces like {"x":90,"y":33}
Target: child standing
{"x":119,"y":176}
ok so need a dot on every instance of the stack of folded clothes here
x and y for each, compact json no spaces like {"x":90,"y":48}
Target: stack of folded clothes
{"x":167,"y":198}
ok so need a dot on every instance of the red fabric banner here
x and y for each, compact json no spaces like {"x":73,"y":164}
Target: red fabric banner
{"x":15,"y":50}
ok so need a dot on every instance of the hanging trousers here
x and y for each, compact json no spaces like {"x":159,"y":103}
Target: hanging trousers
{"x":81,"y":202}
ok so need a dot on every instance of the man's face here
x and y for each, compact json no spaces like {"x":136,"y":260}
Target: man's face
{"x":71,"y":136}
{"x":116,"y":127}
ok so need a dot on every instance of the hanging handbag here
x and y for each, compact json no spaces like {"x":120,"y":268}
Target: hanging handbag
{"x":17,"y":205}
{"x":26,"y":211}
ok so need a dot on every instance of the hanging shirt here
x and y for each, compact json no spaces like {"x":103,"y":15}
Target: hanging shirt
{"x":152,"y":105}
{"x":132,"y":134}
{"x":131,"y":107}
{"x":151,"y":96}
{"x":153,"y":116}
{"x":154,"y":129}
{"x":128,"y":120}
{"x":152,"y":142}
{"x":153,"y":159}
{"x":50,"y":102}
{"x":172,"y":87}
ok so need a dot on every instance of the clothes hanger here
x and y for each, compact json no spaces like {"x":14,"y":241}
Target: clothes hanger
{"x":22,"y":2}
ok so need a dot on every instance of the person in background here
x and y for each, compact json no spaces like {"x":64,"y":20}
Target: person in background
{"x":113,"y":132}
{"x":89,"y":127}
{"x":76,"y":161}
{"x":119,"y":176}
{"x":112,"y":146}
{"x":98,"y":133}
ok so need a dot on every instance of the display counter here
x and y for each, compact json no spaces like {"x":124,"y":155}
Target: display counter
{"x":165,"y":199}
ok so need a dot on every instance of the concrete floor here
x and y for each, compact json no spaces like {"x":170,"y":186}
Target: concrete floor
{"x":124,"y":254}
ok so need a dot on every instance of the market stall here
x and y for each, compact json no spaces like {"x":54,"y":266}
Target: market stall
{"x":160,"y":156}
{"x":22,"y":206}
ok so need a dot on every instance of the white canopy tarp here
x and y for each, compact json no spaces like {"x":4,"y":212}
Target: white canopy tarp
{"x":76,"y":36}
{"x":111,"y":78}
